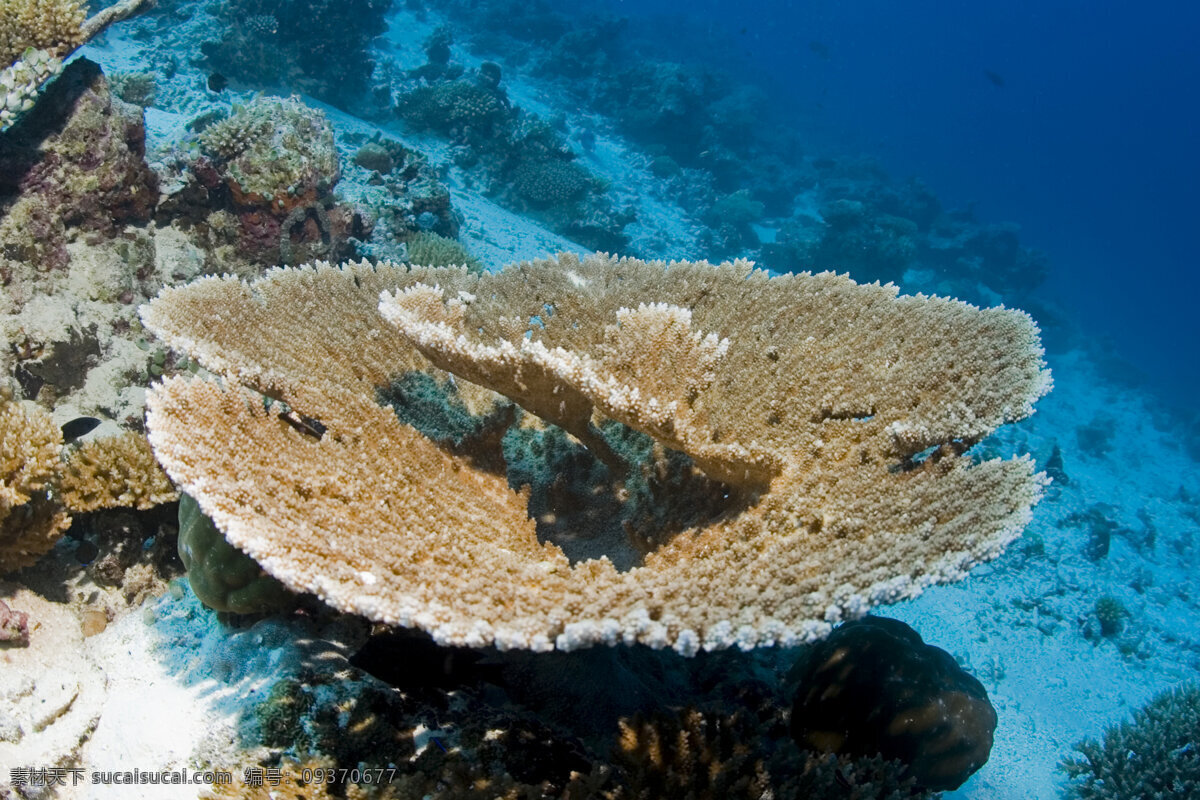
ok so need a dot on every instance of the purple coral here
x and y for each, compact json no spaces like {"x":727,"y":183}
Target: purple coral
{"x":14,"y":626}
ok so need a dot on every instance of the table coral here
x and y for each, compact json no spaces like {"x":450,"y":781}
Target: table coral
{"x":830,"y":420}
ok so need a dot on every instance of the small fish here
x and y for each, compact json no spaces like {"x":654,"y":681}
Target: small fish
{"x":819,"y":49}
{"x":306,"y":425}
{"x":80,"y":426}
{"x":217,"y":82}
{"x":996,"y":78}
{"x":842,"y":779}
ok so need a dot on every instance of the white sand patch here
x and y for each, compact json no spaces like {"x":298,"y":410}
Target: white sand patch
{"x":172,"y":720}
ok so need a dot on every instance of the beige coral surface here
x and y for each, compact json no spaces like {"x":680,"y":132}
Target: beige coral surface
{"x":834,"y":415}
{"x":45,"y":24}
{"x":30,"y":521}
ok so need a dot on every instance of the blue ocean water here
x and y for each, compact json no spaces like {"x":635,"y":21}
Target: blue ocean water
{"x":1078,"y":121}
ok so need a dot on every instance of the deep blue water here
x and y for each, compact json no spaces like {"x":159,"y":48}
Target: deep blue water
{"x":1091,"y":142}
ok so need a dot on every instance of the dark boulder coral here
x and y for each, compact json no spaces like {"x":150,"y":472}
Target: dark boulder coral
{"x":223,"y":577}
{"x":874,"y":687}
{"x":76,"y":161}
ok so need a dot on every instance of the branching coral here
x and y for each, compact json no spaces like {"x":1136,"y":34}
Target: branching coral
{"x":1155,"y":755}
{"x":279,"y":153}
{"x":830,"y":419}
{"x":277,"y":159}
{"x":30,"y":522}
{"x":40,"y":485}
{"x":114,"y":472}
{"x":43,"y":24}
{"x":551,"y":182}
{"x":434,"y":250}
{"x":35,"y":35}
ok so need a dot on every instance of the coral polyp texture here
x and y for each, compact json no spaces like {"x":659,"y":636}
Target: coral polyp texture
{"x":30,"y":522}
{"x":801,"y":439}
{"x":35,"y":35}
{"x":55,"y":25}
{"x":41,"y":484}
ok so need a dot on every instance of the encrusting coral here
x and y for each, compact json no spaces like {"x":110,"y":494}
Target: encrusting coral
{"x":830,"y":420}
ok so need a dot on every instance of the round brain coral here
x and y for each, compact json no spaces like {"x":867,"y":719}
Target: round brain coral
{"x":551,"y":182}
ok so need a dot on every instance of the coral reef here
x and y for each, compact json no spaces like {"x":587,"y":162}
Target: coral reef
{"x":40,"y":24}
{"x":21,"y":82}
{"x":692,"y":754}
{"x":428,"y":249}
{"x":835,"y":414}
{"x":703,"y":753}
{"x":30,"y":521}
{"x":862,"y":221}
{"x":1110,"y":614}
{"x":874,"y":687}
{"x":34,"y":36}
{"x":76,"y":251}
{"x":137,"y":88}
{"x":261,"y":192}
{"x":1155,"y":755}
{"x":409,"y":205}
{"x":274,"y":152}
{"x":76,"y":163}
{"x":374,"y":156}
{"x":465,"y":111}
{"x":530,"y":164}
{"x":114,"y":472}
{"x":40,"y":483}
{"x":551,"y":182}
{"x":276,"y":42}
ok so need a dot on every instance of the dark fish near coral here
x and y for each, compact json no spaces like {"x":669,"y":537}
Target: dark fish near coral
{"x":217,"y":82}
{"x":306,"y":425}
{"x":80,"y":426}
{"x":996,"y":78}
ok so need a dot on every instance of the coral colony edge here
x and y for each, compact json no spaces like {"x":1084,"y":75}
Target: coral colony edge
{"x":371,"y":427}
